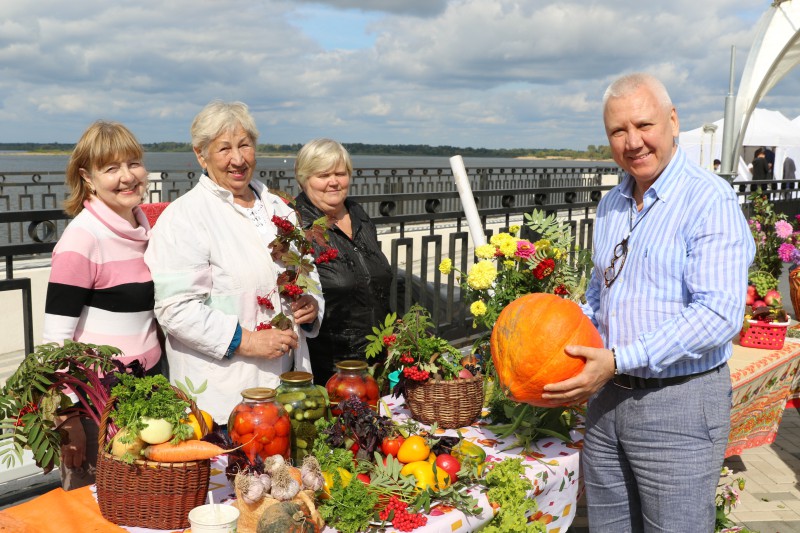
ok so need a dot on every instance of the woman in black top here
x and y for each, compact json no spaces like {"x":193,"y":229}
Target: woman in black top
{"x":356,"y":283}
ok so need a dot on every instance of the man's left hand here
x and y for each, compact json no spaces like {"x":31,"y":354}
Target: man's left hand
{"x":598,"y":370}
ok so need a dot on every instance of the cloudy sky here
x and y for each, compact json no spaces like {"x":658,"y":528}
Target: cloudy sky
{"x":480,"y":73}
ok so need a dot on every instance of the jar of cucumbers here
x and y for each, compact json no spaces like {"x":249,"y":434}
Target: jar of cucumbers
{"x":305,"y":403}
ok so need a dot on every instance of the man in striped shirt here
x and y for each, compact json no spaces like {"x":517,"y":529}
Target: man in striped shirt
{"x":671,"y":254}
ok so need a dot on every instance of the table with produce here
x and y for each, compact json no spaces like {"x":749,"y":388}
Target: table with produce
{"x":447,"y":450}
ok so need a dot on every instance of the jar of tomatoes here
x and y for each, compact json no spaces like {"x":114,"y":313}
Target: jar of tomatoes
{"x":305,"y":403}
{"x":352,"y":379}
{"x":260,"y":424}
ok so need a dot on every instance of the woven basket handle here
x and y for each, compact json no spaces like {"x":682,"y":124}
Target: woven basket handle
{"x":107,"y":427}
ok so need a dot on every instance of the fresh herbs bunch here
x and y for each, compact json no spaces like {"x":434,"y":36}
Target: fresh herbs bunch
{"x":529,"y":423}
{"x":358,"y":425}
{"x":412,"y":347}
{"x":37,"y":392}
{"x":149,"y":397}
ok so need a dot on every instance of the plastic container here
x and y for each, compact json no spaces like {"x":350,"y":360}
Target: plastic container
{"x":260,"y":424}
{"x":214,"y":518}
{"x":305,"y":403}
{"x":352,"y":379}
{"x":764,"y":335}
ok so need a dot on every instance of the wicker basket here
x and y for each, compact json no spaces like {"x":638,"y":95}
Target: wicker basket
{"x":451,"y":404}
{"x":150,"y":494}
{"x":765,"y":335}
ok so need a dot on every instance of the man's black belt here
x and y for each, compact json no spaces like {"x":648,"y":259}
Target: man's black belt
{"x":633,"y":382}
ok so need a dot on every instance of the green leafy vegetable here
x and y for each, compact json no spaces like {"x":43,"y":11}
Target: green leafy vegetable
{"x":151,"y":397}
{"x":349,"y":509}
{"x":508,"y":487}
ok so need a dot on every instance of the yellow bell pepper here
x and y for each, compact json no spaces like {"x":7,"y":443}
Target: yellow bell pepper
{"x":192,"y":421}
{"x":414,"y":448}
{"x":327,"y":478}
{"x":423,"y":473}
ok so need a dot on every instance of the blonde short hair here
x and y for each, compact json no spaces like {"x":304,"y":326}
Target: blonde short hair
{"x":217,"y":118}
{"x":103,"y":142}
{"x":320,"y":155}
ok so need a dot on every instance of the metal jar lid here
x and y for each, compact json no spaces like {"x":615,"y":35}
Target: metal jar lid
{"x":258,"y":393}
{"x":352,"y":364}
{"x":296,"y":377}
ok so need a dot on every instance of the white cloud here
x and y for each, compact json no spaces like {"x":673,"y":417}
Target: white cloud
{"x":494,"y":73}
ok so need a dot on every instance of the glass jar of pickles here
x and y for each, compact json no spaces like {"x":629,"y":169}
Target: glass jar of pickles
{"x":305,"y":403}
{"x":260,"y":424}
{"x":352,"y":379}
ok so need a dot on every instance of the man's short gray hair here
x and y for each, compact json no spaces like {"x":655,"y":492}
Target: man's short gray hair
{"x":631,"y":82}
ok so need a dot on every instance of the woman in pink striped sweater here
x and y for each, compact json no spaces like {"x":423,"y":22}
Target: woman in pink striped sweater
{"x":100,"y":290}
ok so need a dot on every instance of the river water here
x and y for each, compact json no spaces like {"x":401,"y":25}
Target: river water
{"x":23,"y":162}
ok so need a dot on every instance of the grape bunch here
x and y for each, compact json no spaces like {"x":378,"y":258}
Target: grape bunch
{"x":763,"y":282}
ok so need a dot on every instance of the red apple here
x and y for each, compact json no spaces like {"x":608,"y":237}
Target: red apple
{"x":465,"y":374}
{"x":759,"y":303}
{"x":749,"y":299}
{"x":751,"y":289}
{"x":772,"y":297}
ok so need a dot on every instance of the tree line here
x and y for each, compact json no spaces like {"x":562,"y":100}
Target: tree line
{"x":592,"y":152}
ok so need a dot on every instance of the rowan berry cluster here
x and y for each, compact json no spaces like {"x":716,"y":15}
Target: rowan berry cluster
{"x":414,"y":373}
{"x":328,"y":255}
{"x":29,"y":408}
{"x":402,"y":520}
{"x":282,"y":224}
{"x":388,"y":340}
{"x":406,"y":358}
{"x":292,"y":291}
{"x":263,"y":300}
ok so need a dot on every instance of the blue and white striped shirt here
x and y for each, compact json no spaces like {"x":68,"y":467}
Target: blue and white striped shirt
{"x":679,"y":299}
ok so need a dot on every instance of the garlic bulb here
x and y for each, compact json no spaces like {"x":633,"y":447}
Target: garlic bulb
{"x":273,"y":463}
{"x":284,"y":486}
{"x":266,"y":481}
{"x":311,"y":474}
{"x":250,"y":487}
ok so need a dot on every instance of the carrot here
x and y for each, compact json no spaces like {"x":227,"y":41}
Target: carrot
{"x":187,"y":450}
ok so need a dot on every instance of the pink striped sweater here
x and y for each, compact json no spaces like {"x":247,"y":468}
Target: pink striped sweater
{"x":100,"y":290}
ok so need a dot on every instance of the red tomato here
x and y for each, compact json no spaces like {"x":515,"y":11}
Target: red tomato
{"x":371,"y":389}
{"x":390,"y":445}
{"x":266,"y":413}
{"x":251,"y":446}
{"x":282,"y":427}
{"x":265,"y":435}
{"x":278,"y":446}
{"x":449,"y":464}
{"x":356,"y":386}
{"x":364,"y":478}
{"x":243,"y":423}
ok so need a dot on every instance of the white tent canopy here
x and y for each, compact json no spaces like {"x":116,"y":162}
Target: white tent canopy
{"x":766,"y":128}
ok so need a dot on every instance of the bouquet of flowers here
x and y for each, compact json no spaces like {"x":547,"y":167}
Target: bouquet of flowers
{"x":509,"y":267}
{"x":774,"y":237}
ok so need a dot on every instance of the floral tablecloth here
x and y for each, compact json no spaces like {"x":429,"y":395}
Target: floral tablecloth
{"x":763,"y":381}
{"x":553,"y":467}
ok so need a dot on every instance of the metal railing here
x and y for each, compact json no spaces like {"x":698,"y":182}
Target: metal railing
{"x":417,"y":212}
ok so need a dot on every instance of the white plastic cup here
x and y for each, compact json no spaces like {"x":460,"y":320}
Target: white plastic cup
{"x":214,"y":518}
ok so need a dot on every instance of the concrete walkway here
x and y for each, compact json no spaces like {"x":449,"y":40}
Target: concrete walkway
{"x":770,"y":502}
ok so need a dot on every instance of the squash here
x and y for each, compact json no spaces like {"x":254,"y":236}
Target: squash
{"x":528,"y":340}
{"x":286,"y":517}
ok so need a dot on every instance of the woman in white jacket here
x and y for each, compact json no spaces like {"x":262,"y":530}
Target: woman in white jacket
{"x":214,"y":277}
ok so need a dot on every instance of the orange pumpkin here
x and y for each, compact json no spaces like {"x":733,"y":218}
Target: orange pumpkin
{"x":528,"y":342}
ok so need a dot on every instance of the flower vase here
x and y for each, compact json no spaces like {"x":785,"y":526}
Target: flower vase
{"x":794,"y":291}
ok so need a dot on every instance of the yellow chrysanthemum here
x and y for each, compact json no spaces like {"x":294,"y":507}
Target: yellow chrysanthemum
{"x":543,"y":243}
{"x":477,"y":308}
{"x":513,"y":230}
{"x":485,"y":251}
{"x":505,"y":243}
{"x":481,"y":275}
{"x":509,"y":264}
{"x":558,"y":253}
{"x":446,"y":266}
